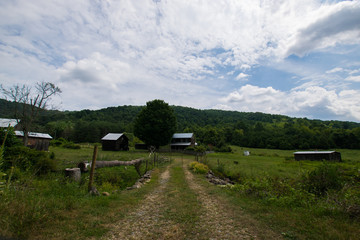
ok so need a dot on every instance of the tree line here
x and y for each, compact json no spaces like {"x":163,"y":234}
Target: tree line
{"x":212,"y":128}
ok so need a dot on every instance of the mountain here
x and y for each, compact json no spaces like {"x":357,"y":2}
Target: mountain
{"x":212,"y":127}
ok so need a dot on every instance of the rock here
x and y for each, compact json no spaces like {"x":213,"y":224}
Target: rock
{"x":94,"y":192}
{"x":218,"y":181}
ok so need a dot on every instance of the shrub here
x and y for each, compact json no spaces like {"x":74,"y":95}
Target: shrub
{"x":198,"y":167}
{"x":322,"y":179}
{"x":28,"y":159}
{"x":71,"y":145}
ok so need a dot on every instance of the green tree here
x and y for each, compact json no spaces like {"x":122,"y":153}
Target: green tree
{"x":155,"y":124}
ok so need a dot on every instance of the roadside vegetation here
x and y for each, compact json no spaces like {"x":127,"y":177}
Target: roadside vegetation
{"x":303,"y":199}
{"x":38,"y":201}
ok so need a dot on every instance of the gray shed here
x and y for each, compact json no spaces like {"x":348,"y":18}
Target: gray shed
{"x":38,"y":141}
{"x":318,"y":155}
{"x":180,"y":141}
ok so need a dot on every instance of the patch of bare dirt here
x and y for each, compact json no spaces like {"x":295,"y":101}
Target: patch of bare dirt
{"x":146,"y":222}
{"x":218,"y":220}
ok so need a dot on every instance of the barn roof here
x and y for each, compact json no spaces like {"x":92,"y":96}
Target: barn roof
{"x":183,"y":135}
{"x":181,"y":144}
{"x":112,"y":136}
{"x":315,"y":152}
{"x":4,"y":122}
{"x":33,"y":135}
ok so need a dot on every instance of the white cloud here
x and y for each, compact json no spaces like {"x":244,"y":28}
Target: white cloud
{"x":335,"y":70}
{"x":353,"y":78}
{"x":334,"y":24}
{"x":312,"y":101}
{"x":242,"y":76}
{"x":127,"y":52}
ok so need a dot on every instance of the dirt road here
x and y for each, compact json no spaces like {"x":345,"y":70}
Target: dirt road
{"x":211,"y":217}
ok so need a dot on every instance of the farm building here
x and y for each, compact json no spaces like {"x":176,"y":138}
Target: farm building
{"x":115,"y":142}
{"x":180,"y":141}
{"x":5,"y":122}
{"x":38,"y":141}
{"x":318,"y":156}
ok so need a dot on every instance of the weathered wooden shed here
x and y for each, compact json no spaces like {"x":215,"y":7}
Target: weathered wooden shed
{"x":115,"y":142}
{"x":318,"y":156}
{"x":38,"y":141}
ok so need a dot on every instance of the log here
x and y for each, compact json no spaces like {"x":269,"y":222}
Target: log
{"x":100,"y":164}
{"x":73,"y":174}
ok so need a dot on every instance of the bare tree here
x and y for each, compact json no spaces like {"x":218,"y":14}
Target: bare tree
{"x":29,"y":103}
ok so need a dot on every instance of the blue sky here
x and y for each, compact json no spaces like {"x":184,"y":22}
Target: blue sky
{"x":297,"y":58}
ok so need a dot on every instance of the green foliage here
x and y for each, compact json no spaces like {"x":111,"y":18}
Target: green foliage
{"x":155,"y":124}
{"x":61,"y":142}
{"x":9,"y":136}
{"x":197,"y":167}
{"x":325,"y":177}
{"x":214,"y":128}
{"x":26,"y":159}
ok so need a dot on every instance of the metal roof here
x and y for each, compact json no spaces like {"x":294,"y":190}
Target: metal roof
{"x":315,"y":152}
{"x":4,"y":122}
{"x":112,"y":136}
{"x":181,"y":144}
{"x":33,"y":135}
{"x":183,"y":135}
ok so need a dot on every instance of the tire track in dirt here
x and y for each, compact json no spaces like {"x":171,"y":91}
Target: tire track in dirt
{"x":218,"y":220}
{"x":147,"y":221}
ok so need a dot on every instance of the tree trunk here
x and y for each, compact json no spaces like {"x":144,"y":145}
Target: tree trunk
{"x":73,"y":174}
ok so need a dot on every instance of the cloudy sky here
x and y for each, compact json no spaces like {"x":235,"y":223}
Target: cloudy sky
{"x":297,"y":58}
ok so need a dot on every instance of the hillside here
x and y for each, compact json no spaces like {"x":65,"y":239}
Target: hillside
{"x":215,"y":127}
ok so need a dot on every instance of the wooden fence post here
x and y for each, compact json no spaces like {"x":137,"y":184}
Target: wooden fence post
{"x":93,"y":168}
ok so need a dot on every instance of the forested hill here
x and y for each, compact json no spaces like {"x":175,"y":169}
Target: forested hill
{"x":212,"y":127}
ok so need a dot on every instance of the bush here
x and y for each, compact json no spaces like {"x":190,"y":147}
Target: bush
{"x":71,"y":145}
{"x":198,"y":167}
{"x":223,"y":149}
{"x":28,"y":159}
{"x":61,"y":142}
{"x":322,"y":179}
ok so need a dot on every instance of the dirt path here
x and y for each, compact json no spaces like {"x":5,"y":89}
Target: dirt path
{"x":219,"y":218}
{"x":146,"y":222}
{"x":216,"y":217}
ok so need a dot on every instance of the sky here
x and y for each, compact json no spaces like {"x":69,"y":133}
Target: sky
{"x":290,"y":57}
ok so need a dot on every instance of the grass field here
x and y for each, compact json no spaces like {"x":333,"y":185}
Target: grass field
{"x":276,"y":163}
{"x":285,"y":193}
{"x":271,"y":186}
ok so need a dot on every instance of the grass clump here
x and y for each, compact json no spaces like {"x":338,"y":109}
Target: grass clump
{"x":197,"y":167}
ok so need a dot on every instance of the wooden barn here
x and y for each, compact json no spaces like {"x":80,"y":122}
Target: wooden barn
{"x":115,"y":142}
{"x":318,"y":156}
{"x":38,"y":141}
{"x":180,"y":141}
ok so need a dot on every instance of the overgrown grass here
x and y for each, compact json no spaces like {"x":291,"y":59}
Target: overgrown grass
{"x":305,"y":199}
{"x":52,"y":207}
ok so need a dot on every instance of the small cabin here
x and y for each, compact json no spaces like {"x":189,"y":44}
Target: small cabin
{"x":5,"y":122}
{"x":318,"y":156}
{"x":180,"y":141}
{"x":115,"y":142}
{"x":38,"y":141}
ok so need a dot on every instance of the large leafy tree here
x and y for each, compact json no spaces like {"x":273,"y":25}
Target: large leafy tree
{"x":155,"y":124}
